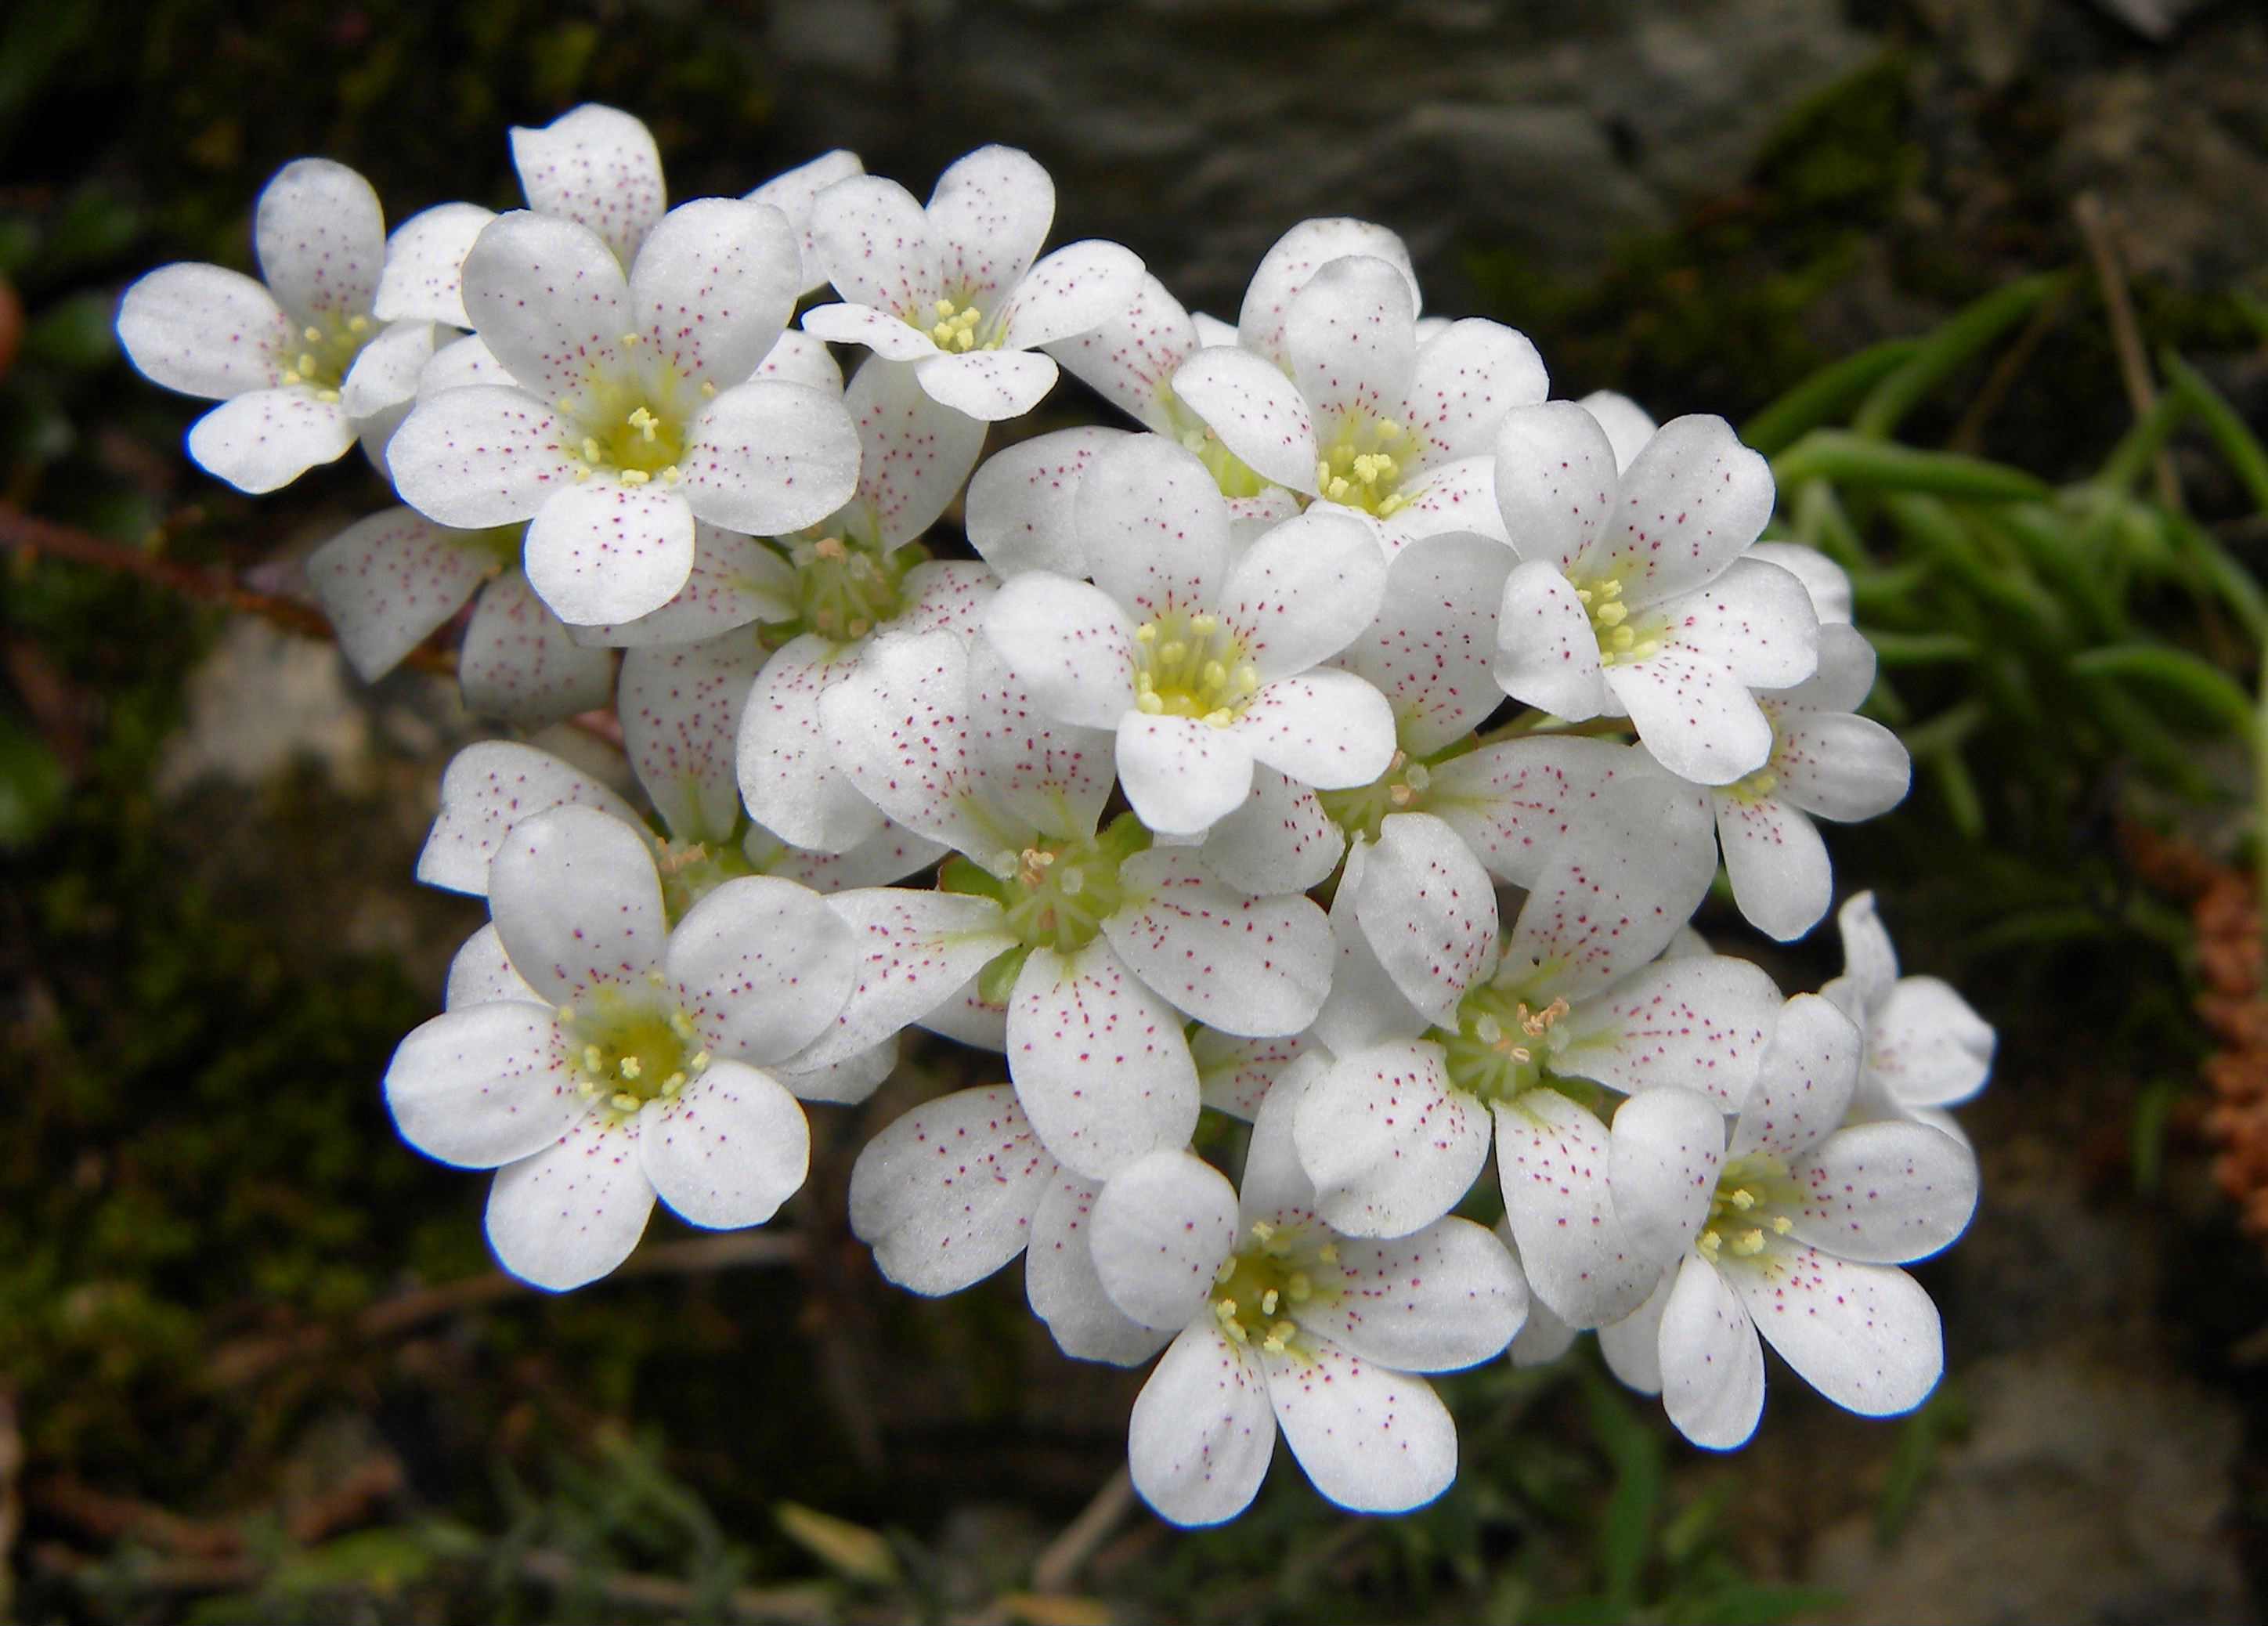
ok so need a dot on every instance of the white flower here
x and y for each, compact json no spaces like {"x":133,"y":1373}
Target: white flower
{"x":1826,"y":762}
{"x":1926,"y":1048}
{"x":1203,"y":659}
{"x":1633,"y":595}
{"x":1369,"y":417}
{"x":1274,"y":1311}
{"x":635,"y":1062}
{"x":1446,"y":1041}
{"x":1098,"y":943}
{"x":631,"y":414}
{"x":1790,"y":1227}
{"x":953,"y":289}
{"x":299,"y":364}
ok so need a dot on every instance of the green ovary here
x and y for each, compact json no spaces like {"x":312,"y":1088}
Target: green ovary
{"x":1192,"y":665}
{"x":325,"y":352}
{"x":1623,"y":637}
{"x":1500,"y":1049}
{"x":632,"y":1048}
{"x":1750,"y":1206}
{"x":1400,"y":789}
{"x":630,"y":425}
{"x":1260,"y":1290}
{"x":1364,"y":463}
{"x":845,"y":589}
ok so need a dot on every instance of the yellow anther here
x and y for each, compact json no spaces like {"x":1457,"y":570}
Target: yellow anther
{"x":623,"y":1101}
{"x":1749,"y":1244}
{"x":1220,"y":718}
{"x":1263,"y":1230}
{"x":1204,"y":625}
{"x":670,"y":475}
{"x":942,"y":332}
{"x":1389,"y":429}
{"x":1614,"y":613}
{"x":1300,"y":1289}
{"x":1611,"y":588}
{"x":582,"y":473}
{"x":965,"y":340}
{"x":1268,"y":1302}
{"x":1624,"y":638}
{"x":630,"y":338}
{"x":306,"y":362}
{"x":671,"y":1084}
{"x":1247,"y":678}
{"x":1743,"y":1199}
{"x":1763,"y":784}
{"x":1323,"y":476}
{"x":328,"y":396}
{"x":591,"y":452}
{"x":1172,"y":653}
{"x":1646,"y":651}
{"x":358,"y":324}
{"x":1146,"y":633}
{"x":1235,"y":1329}
{"x":635,"y":477}
{"x":312,"y":335}
{"x":707,"y":388}
{"x":700,"y":1061}
{"x":1708,"y":1245}
{"x":1337,"y":490}
{"x":592,"y":1061}
{"x":681,"y":1024}
{"x":1782,"y":1224}
{"x":644,"y":422}
{"x":945,"y":307}
{"x":1392,"y":505}
{"x":829,"y":547}
{"x":1149,"y":704}
{"x":1215,"y":673}
{"x":1225,"y":1269}
{"x":1328,"y":1252}
{"x":290,"y":376}
{"x":632,"y":1067}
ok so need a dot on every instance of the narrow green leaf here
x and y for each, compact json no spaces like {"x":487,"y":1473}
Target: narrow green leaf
{"x":1826,"y":394}
{"x":1942,"y":352}
{"x":2176,"y":671}
{"x":2224,"y":575}
{"x":1919,"y":649}
{"x":1626,"y":1533}
{"x":2247,"y":457}
{"x":1838,"y":454}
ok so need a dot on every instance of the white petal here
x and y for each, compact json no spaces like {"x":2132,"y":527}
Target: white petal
{"x":968,"y":1018}
{"x":945,"y":1196}
{"x":478,"y":456}
{"x":1373,"y":1440}
{"x":603,"y":553}
{"x":846,"y":1083}
{"x":1543,"y":1337}
{"x":1713,"y":1368}
{"x":914,"y":951}
{"x":1839,"y":766}
{"x":1666,"y":1149}
{"x":1601,"y":908}
{"x":1099,"y":1062}
{"x":892,"y":853}
{"x":1037,"y":770}
{"x":573,"y":1211}
{"x":1805,"y":1084}
{"x":728,"y":1150}
{"x":1281,"y":840}
{"x":914,"y":454}
{"x":767,"y":458}
{"x":1458,"y":496}
{"x":679,"y":710}
{"x":1324,"y":728}
{"x":1696,"y":717}
{"x":596,"y":166}
{"x":206,"y":331}
{"x":480,"y":974}
{"x":386,"y":372}
{"x":1628,"y":425}
{"x":320,"y":237}
{"x":890,"y":338}
{"x":263,"y":441}
{"x":1365,"y":1006}
{"x":1389,"y":1145}
{"x":989,"y":212}
{"x":715,"y":282}
{"x":1869,"y":960}
{"x":1253,"y":966}
{"x":1201,"y":1436}
{"x":788,"y":771}
{"x":1073,"y":291}
{"x":1294,"y":259}
{"x":388,"y":581}
{"x":1516,"y":802}
{"x":1258,"y":413}
{"x":1275,"y":1187}
{"x":946,"y":595}
{"x":516,"y":662}
{"x":1690,"y":503}
{"x":424,"y":274}
{"x":989,"y":385}
{"x":1822,"y":577}
{"x":1129,"y":357}
{"x":1755,"y":618}
{"x":1163,"y":1226}
{"x":1631,"y":1347}
{"x":1182,"y":774}
{"x":1925,"y":1047}
{"x":1234,"y":1074}
{"x":1552,"y":1155}
{"x":549,"y":300}
{"x":1866,"y":1337}
{"x":1781,"y":876}
{"x":1068,"y":644}
{"x":487,"y":789}
{"x":762,"y":966}
{"x":1154,"y":527}
{"x":1465,"y":378}
{"x":1885,"y":1193}
{"x":578,"y":902}
{"x":799,"y":357}
{"x":459,"y":364}
{"x":873,"y":244}
{"x":1065,"y":1291}
{"x":484,"y":1085}
{"x":1432,"y":649}
{"x":1349,"y":336}
{"x":1429,"y":911}
{"x":795,"y":193}
{"x":1546,"y":654}
{"x":1304,"y":592}
{"x":734,"y":580}
{"x":1555,"y":482}
{"x":1699,"y":1023}
{"x":1449,"y":1297}
{"x":1021,"y":502}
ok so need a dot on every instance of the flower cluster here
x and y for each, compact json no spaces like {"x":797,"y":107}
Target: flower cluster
{"x":1344,"y":751}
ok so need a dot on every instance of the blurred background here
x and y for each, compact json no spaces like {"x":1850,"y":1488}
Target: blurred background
{"x":1987,"y":279}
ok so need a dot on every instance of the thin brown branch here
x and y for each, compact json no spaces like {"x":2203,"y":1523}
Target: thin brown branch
{"x":244,"y":1360}
{"x":1061,"y":1561}
{"x":808,"y":1603}
{"x":1969,"y":435}
{"x":12,"y":1501}
{"x":2125,"y":332}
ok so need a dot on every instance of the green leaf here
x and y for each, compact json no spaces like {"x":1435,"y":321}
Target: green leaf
{"x":1626,"y":1533}
{"x":2176,"y":673}
{"x":1944,"y":1417}
{"x":851,"y":1551}
{"x":1943,"y":351}
{"x":1840,"y":455}
{"x":2239,"y":445}
{"x":1827,"y":394}
{"x":32,"y":786}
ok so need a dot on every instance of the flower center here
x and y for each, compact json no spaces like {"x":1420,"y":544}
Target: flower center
{"x":1500,"y":1047}
{"x":1260,"y":1290}
{"x":1621,"y":638}
{"x":846,"y":590}
{"x":325,"y":352}
{"x":1191,"y":665}
{"x":629,"y":423}
{"x":635,"y":1048}
{"x":953,"y":327}
{"x":1055,"y":895}
{"x":1229,"y":472}
{"x":1400,"y":789}
{"x":691,"y":870}
{"x":1750,"y":1205}
{"x":1365,"y":466}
